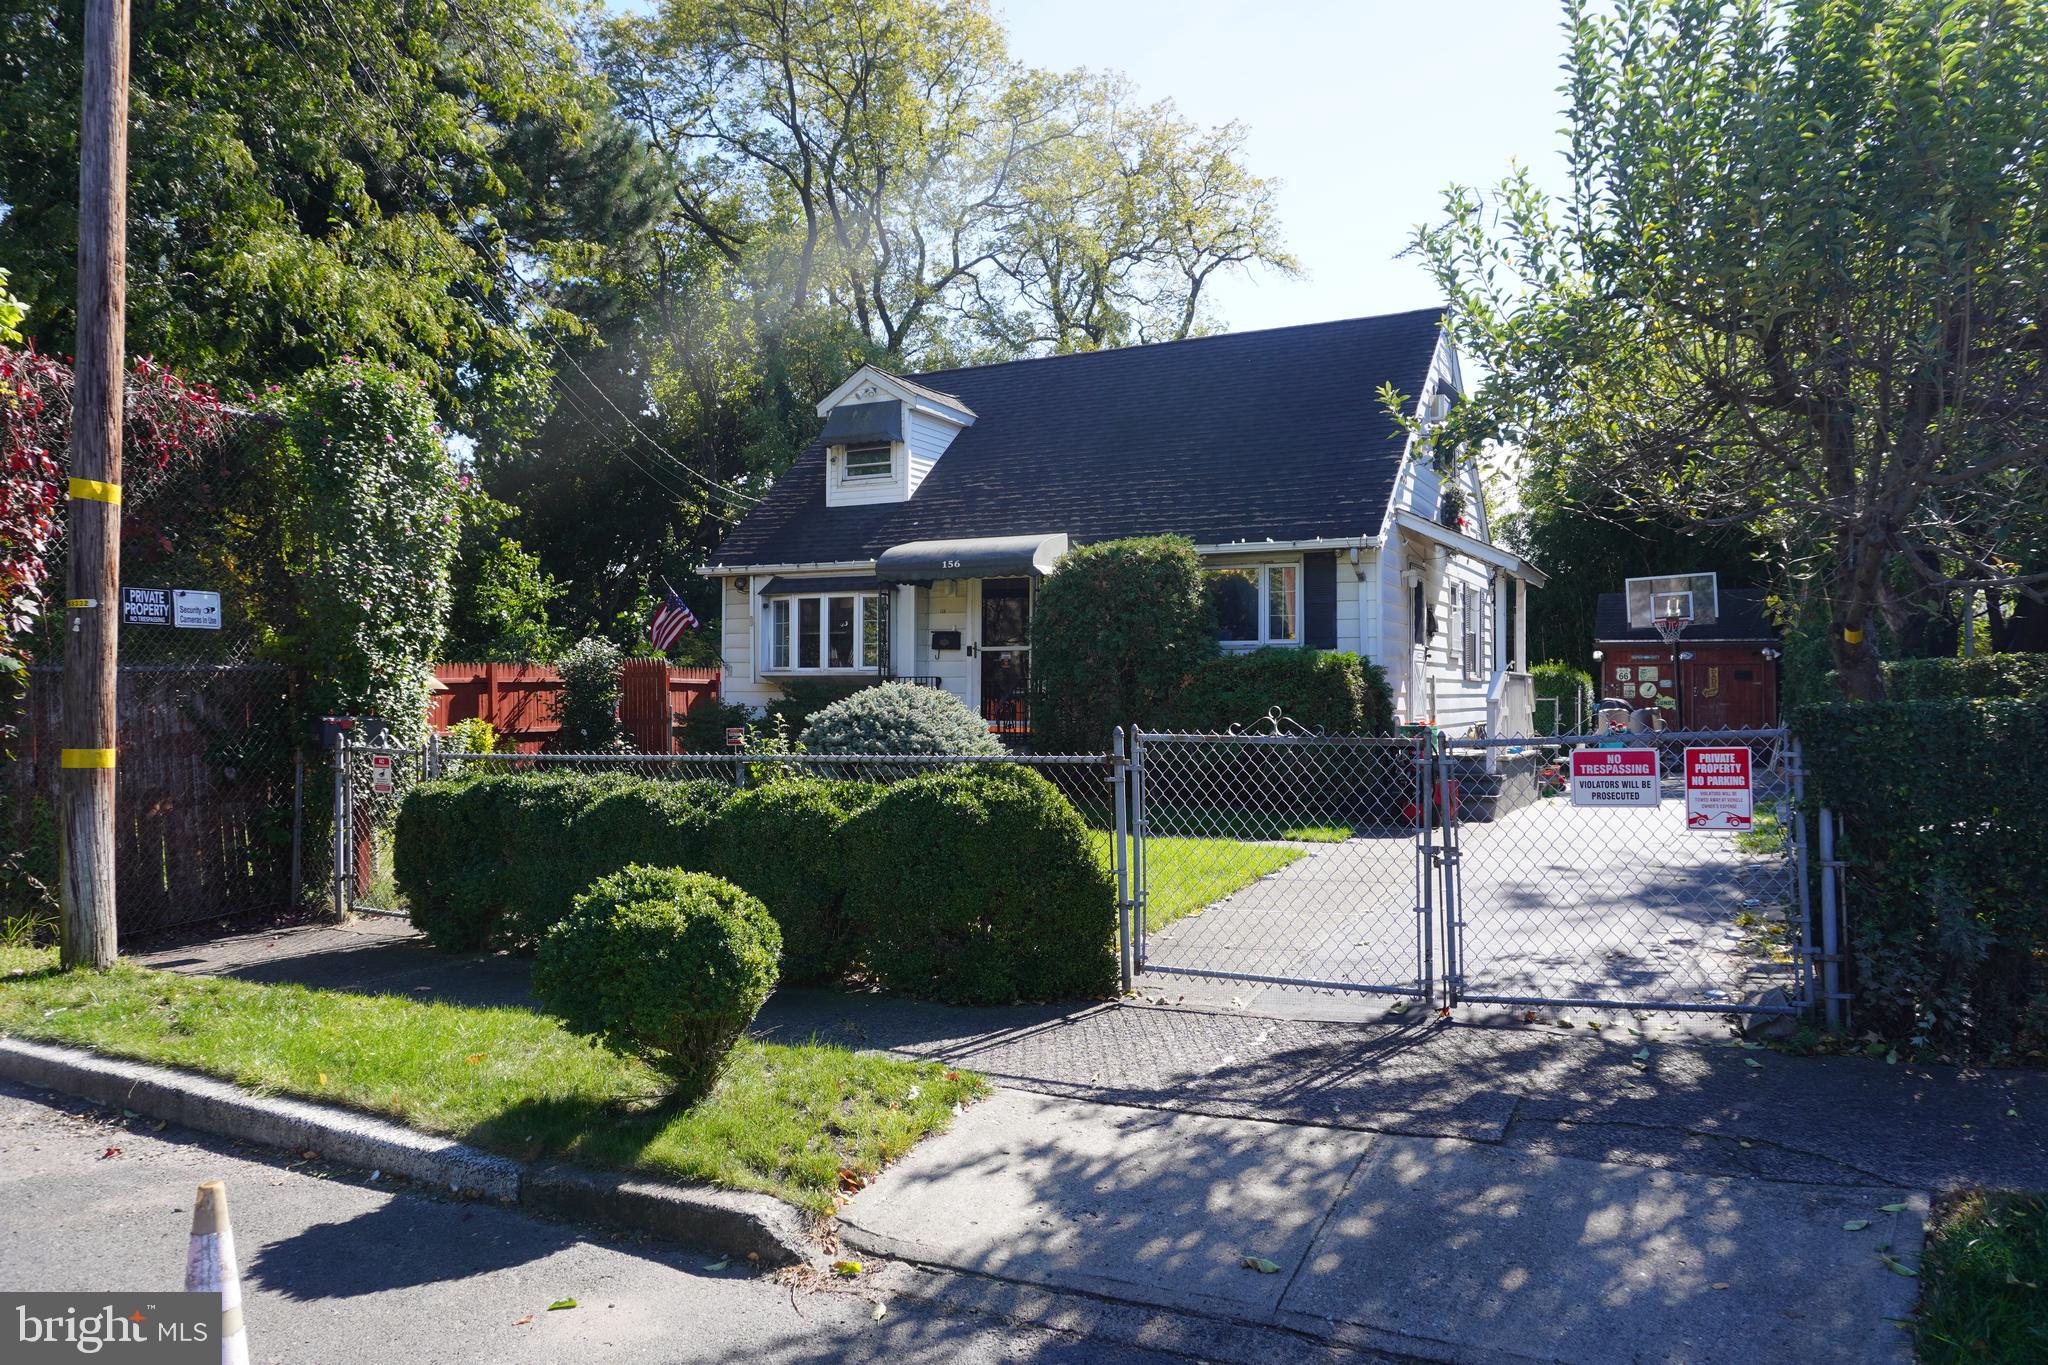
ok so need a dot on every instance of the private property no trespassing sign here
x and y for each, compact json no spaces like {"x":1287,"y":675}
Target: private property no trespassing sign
{"x":1718,"y":789}
{"x":1615,"y":777}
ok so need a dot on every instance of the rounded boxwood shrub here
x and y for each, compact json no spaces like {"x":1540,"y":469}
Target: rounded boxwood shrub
{"x":980,"y":885}
{"x":899,"y":718}
{"x":782,"y":842}
{"x":664,"y":965}
{"x":613,"y":821}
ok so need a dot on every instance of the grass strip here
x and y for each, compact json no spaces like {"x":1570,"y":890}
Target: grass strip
{"x":793,"y":1121}
{"x":1984,"y":1281}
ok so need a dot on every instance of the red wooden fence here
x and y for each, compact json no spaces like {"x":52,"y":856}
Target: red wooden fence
{"x":519,"y":700}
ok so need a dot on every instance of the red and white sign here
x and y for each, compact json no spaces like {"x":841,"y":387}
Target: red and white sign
{"x":735,"y":736}
{"x":380,"y":774}
{"x":1718,"y":789}
{"x":1615,"y":777}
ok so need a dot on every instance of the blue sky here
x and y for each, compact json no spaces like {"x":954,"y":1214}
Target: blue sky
{"x":1365,"y":111}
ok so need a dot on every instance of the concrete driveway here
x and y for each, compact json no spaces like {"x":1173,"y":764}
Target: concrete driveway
{"x":1556,"y":902}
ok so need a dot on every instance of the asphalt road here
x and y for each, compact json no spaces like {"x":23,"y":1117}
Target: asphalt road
{"x":335,"y":1267}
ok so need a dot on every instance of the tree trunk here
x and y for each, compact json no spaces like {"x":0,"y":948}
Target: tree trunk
{"x":1859,"y":674}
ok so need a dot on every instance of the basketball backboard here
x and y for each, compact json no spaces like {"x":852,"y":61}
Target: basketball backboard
{"x":1694,"y":597}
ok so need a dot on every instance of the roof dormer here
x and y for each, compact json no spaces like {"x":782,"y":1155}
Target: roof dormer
{"x":883,"y":434}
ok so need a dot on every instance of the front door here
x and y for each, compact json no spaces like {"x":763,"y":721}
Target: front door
{"x":1005,"y":653}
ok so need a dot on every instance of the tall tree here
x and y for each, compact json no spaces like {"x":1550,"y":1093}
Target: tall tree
{"x":1798,"y":285}
{"x":315,"y":178}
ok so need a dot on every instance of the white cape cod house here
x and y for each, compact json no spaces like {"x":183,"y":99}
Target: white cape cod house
{"x":909,"y":538}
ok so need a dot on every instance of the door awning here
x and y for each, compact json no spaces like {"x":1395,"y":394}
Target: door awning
{"x":928,"y":561}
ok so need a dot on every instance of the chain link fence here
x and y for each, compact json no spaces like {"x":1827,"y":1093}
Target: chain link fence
{"x":373,"y":782}
{"x":1297,"y":860}
{"x":210,"y":810}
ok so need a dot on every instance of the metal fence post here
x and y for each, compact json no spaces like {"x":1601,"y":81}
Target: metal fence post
{"x":1831,"y":959}
{"x":1138,"y":834}
{"x":341,"y":868}
{"x":1126,"y":951}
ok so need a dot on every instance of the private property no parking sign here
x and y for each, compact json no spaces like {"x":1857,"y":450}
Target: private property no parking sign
{"x":1614,"y":777}
{"x":1718,"y":790}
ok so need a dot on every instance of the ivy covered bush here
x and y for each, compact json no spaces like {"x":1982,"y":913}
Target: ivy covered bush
{"x":980,"y":886}
{"x":367,"y":502}
{"x":1338,"y":693}
{"x":662,"y":964}
{"x":899,"y":718}
{"x":1115,"y":632}
{"x":588,"y":706}
{"x":1944,"y":808}
{"x":783,"y":842}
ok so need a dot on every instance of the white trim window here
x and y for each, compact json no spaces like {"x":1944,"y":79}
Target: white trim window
{"x":1256,"y":604}
{"x":822,"y":633}
{"x":1471,"y":637}
{"x":868,"y":463}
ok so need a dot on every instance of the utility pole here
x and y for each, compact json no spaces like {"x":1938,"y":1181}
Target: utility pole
{"x":94,"y":575}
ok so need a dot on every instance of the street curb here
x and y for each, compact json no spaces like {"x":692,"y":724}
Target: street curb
{"x":734,"y":1223}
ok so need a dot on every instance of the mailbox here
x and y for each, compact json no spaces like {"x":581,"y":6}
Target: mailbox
{"x":945,"y":639}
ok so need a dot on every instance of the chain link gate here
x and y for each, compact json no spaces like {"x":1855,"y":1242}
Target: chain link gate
{"x":370,"y":782}
{"x":1395,"y":865}
{"x":1284,"y":857}
{"x":1554,"y":904}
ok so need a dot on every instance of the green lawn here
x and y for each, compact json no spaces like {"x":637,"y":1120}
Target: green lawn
{"x":785,"y":1120}
{"x":1984,"y":1280}
{"x":1204,"y":822}
{"x":1186,"y":874}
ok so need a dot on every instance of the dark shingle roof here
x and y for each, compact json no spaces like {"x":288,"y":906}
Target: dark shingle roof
{"x":1246,"y":436}
{"x":1742,"y":618}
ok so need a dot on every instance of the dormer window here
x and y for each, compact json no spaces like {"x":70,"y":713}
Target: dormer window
{"x":870,"y":462}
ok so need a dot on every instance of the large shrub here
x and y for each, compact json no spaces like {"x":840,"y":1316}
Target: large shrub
{"x":1116,"y":630}
{"x":588,"y":706}
{"x":1572,"y":691}
{"x":899,"y":718}
{"x":783,"y":842}
{"x":1338,"y":693}
{"x":980,"y":886}
{"x":662,"y":964}
{"x":2021,"y":677}
{"x":1944,"y":808}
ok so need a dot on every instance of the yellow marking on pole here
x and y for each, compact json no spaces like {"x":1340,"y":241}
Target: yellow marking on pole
{"x":86,"y":758}
{"x":92,"y":490}
{"x":81,"y":603}
{"x":1854,"y":637}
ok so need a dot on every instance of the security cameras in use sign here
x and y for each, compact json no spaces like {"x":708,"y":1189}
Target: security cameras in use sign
{"x":1615,"y":777}
{"x":1719,"y":790}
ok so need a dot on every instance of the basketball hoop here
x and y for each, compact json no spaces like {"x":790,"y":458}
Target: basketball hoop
{"x":1670,"y":627}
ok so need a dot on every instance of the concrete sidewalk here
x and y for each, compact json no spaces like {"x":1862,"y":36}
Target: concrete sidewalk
{"x":1435,"y":1248}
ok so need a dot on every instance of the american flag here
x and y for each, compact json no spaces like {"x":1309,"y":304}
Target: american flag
{"x":671,"y":619}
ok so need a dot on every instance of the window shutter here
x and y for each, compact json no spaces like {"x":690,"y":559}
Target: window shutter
{"x":1319,"y":599}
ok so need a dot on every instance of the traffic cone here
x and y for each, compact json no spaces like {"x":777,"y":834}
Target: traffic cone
{"x":210,"y":1268}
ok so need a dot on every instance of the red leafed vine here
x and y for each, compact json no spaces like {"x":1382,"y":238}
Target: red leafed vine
{"x":165,"y":420}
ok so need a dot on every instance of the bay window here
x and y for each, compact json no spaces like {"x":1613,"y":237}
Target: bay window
{"x":826,"y":633}
{"x":1256,"y":604}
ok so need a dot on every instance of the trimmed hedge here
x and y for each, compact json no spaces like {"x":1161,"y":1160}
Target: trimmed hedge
{"x":498,"y":858}
{"x":1338,"y":693}
{"x":2021,"y":677}
{"x":662,"y":964}
{"x":1571,"y":688}
{"x":980,"y":886}
{"x":783,"y":843}
{"x":1944,"y":808}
